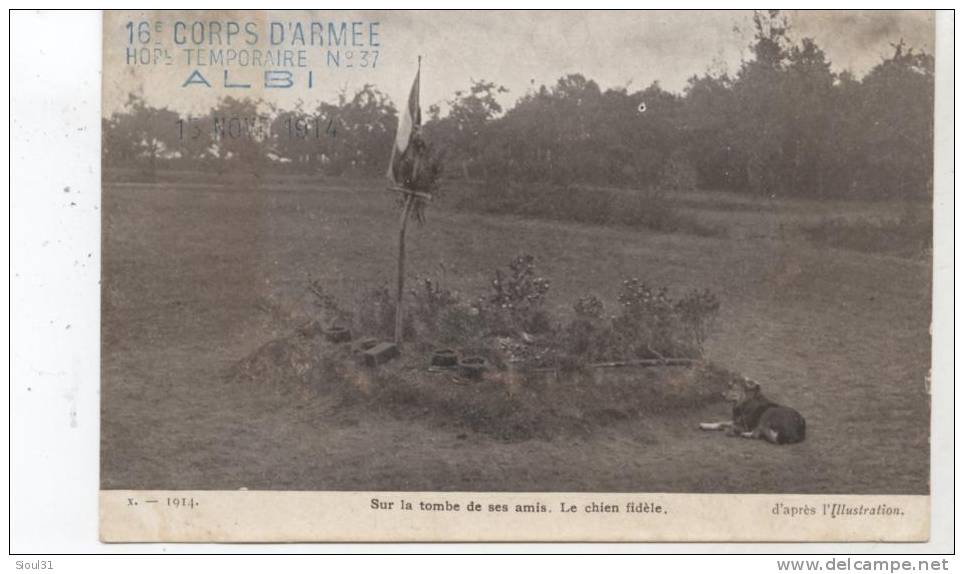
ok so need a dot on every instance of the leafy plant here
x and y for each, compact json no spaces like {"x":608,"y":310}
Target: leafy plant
{"x":588,"y":307}
{"x":518,"y":294}
{"x":510,"y":322}
{"x":430,"y":300}
{"x":697,"y":312}
{"x":653,"y":324}
{"x":646,"y":324}
{"x":461,"y":325}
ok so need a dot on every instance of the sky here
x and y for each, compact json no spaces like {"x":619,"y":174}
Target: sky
{"x":518,"y":49}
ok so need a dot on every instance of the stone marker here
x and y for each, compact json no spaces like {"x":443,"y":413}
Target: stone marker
{"x":379,"y":354}
{"x":363,"y":344}
{"x":338,"y":334}
{"x":472,"y":367}
{"x":445,"y":358}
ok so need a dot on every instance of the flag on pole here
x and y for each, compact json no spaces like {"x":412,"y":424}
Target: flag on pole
{"x":401,"y":167}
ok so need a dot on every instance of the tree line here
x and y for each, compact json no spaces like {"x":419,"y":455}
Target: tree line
{"x":784,"y":124}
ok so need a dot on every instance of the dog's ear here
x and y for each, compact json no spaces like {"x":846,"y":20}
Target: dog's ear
{"x":751,"y":386}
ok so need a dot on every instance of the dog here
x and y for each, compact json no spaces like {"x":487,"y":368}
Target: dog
{"x":755,"y":416}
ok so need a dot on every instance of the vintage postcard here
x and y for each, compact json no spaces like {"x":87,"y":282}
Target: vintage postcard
{"x":517,"y":276}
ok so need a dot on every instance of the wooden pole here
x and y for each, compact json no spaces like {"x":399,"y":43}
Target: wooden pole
{"x":406,"y":212}
{"x":399,"y":294}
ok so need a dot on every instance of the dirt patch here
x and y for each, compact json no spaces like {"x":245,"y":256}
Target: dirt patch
{"x":504,"y":403}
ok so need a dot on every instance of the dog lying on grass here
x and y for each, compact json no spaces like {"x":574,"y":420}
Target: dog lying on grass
{"x":754,"y":416}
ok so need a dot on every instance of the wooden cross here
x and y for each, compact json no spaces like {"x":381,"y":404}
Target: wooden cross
{"x":410,"y":197}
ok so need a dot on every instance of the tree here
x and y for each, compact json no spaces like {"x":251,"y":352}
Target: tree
{"x":298,"y":137}
{"x":844,"y":148}
{"x":808,"y":96}
{"x":783,"y":124}
{"x":709,"y":123}
{"x":195,"y":142}
{"x":365,"y":128}
{"x":461,"y":132}
{"x":141,"y":132}
{"x":761,"y":131}
{"x":897,"y":114}
{"x":240,"y":133}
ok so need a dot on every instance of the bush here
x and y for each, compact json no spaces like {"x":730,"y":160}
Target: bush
{"x":511,"y":323}
{"x":587,"y":337}
{"x":678,"y":173}
{"x":461,"y":326}
{"x":429,"y":300}
{"x":515,"y":302}
{"x":589,"y":307}
{"x":697,"y":312}
{"x":654,"y":324}
{"x":651,"y":325}
{"x":646,"y":328}
{"x":506,"y":403}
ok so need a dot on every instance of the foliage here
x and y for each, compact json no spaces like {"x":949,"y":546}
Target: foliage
{"x":365,"y":128}
{"x":653,"y":324}
{"x":462,"y":326}
{"x":510,"y":322}
{"x":430,"y":301}
{"x":646,"y":327}
{"x":588,"y":307}
{"x":586,"y":338}
{"x":460,"y":132}
{"x":516,"y":298}
{"x":678,"y":173}
{"x":239,"y":134}
{"x":650,"y":325}
{"x":696,"y":312}
{"x":140,"y":134}
{"x":783,"y":124}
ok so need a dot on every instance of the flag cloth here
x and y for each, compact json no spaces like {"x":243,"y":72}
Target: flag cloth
{"x":402,"y":166}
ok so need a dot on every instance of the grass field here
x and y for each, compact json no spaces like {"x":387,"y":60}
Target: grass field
{"x":197,"y":275}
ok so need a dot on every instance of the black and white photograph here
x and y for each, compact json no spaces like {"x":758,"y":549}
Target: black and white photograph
{"x":538,"y":262}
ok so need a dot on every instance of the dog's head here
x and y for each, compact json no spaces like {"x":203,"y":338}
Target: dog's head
{"x":741,"y":389}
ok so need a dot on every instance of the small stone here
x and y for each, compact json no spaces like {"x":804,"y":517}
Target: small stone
{"x":380,"y":354}
{"x":364,"y":344}
{"x":472,"y":367}
{"x":445,"y":358}
{"x":338,"y":334}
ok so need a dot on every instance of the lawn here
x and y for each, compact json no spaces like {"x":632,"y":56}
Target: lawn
{"x":199,"y":274}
